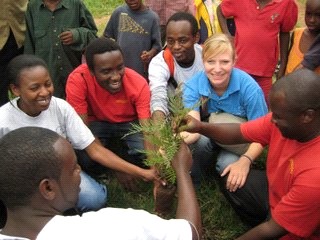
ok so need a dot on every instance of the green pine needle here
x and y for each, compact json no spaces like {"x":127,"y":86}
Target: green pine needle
{"x":162,"y":135}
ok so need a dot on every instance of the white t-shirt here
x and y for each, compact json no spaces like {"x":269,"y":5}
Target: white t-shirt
{"x":59,"y":117}
{"x":159,"y":75}
{"x":114,"y":223}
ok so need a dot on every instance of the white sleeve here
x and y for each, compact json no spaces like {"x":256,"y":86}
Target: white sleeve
{"x":77,"y":132}
{"x":159,"y":75}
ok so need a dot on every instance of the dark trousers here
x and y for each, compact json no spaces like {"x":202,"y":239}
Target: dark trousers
{"x":8,"y":52}
{"x":3,"y":215}
{"x":251,"y":201}
{"x":113,"y":136}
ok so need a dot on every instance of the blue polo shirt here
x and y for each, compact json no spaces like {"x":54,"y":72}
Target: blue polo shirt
{"x":243,"y":97}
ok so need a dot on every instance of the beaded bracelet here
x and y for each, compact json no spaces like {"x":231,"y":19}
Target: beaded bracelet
{"x":246,"y":156}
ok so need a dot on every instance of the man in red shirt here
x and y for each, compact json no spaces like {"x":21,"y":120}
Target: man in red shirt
{"x":292,"y":132}
{"x":110,"y":97}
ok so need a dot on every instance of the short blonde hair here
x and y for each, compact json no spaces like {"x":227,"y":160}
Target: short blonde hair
{"x":217,"y":44}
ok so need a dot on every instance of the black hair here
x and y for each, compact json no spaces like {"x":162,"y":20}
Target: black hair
{"x":27,"y":157}
{"x":185,"y":16}
{"x":301,"y":89}
{"x":99,"y":46}
{"x":21,"y":62}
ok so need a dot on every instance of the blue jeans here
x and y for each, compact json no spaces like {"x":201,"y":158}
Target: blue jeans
{"x":203,"y":156}
{"x":224,"y":159}
{"x":92,"y":196}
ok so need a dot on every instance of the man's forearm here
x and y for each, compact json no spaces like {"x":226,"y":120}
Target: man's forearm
{"x":107,"y":158}
{"x":266,"y":230}
{"x":188,"y":207}
{"x":217,"y":132}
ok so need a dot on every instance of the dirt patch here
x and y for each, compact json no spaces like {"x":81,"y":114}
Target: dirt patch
{"x":101,"y":24}
{"x":102,"y":21}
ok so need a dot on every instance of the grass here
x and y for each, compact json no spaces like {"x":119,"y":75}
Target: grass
{"x":219,"y":220}
{"x":101,"y":8}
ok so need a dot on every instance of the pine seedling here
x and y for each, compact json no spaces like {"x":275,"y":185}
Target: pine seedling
{"x":162,"y":136}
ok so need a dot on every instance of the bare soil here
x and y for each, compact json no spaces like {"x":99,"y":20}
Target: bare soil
{"x":102,"y":20}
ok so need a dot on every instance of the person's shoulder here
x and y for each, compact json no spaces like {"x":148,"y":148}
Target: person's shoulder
{"x":82,"y":69}
{"x":244,"y":79}
{"x":150,"y":12}
{"x":158,"y":57}
{"x":133,"y":77}
{"x":198,"y":77}
{"x":287,"y":4}
{"x":58,"y":103}
{"x":34,"y":3}
{"x":198,"y":47}
{"x":7,"y":108}
{"x":299,"y":29}
{"x":240,"y":74}
{"x":198,"y":52}
{"x":12,"y":102}
{"x":120,"y":9}
{"x":297,"y":33}
{"x":60,"y":107}
{"x":132,"y":73}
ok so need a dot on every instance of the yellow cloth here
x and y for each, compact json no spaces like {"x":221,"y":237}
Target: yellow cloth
{"x":295,"y":55}
{"x":207,"y":11}
{"x":12,"y":16}
{"x":217,"y":28}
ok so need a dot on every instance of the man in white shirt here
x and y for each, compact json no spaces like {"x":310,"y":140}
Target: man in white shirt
{"x":40,"y":179}
{"x":185,"y":55}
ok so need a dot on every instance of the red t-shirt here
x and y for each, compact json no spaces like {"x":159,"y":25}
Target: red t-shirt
{"x":256,"y":37}
{"x":293,"y":171}
{"x":88,"y":97}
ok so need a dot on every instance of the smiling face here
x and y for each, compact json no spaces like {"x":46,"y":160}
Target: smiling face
{"x":180,"y":42}
{"x":312,"y":16}
{"x":218,"y":68}
{"x":218,"y":60}
{"x":134,"y":5}
{"x":35,"y":89}
{"x":109,"y":70}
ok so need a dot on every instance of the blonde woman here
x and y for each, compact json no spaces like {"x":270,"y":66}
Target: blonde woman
{"x":230,"y":95}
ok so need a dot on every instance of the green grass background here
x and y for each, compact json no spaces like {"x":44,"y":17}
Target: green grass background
{"x":219,"y":220}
